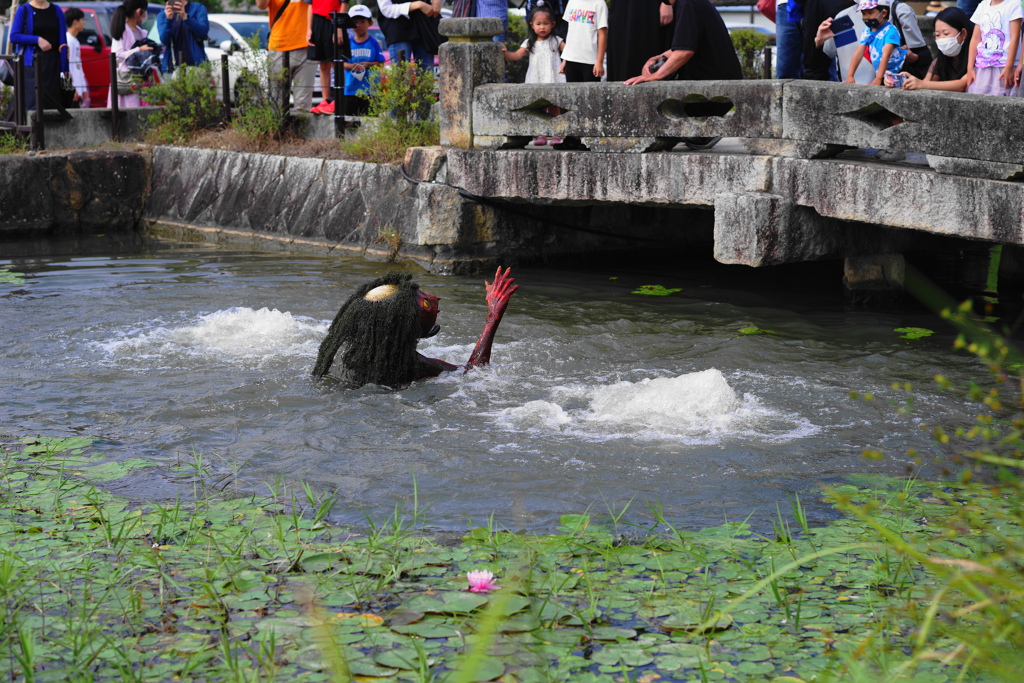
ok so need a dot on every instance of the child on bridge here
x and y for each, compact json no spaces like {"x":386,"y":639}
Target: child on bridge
{"x":543,"y":48}
{"x":883,"y":42}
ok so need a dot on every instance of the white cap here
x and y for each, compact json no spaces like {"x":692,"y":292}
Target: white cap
{"x":360,"y":11}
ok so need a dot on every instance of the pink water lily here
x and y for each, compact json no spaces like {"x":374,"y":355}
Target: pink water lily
{"x":481,"y":581}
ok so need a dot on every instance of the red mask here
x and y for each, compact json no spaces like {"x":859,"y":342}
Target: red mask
{"x":428,"y":304}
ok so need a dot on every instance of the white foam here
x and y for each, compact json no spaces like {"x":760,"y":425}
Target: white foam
{"x":699,"y":408}
{"x":234,"y":333}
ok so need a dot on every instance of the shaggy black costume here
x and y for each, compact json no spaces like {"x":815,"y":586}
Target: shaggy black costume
{"x":377,"y":339}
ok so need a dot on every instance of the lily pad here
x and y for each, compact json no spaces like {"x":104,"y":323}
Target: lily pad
{"x":486,"y":669}
{"x":403,"y":658}
{"x":692,"y":618}
{"x":447,"y":603}
{"x":655,"y":290}
{"x":914,"y":332}
{"x":612,"y":633}
{"x":752,"y":330}
{"x":366,"y":667}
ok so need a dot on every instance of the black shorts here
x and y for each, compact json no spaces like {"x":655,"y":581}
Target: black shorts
{"x":576,"y":72}
{"x":356,"y":105}
{"x":324,"y":35}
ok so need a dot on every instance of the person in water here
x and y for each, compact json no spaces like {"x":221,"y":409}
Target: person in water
{"x":377,"y":329}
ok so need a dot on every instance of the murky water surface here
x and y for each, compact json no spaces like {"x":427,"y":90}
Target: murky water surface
{"x":596,"y":396}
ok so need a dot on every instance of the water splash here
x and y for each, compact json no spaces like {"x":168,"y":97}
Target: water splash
{"x":239,"y":333}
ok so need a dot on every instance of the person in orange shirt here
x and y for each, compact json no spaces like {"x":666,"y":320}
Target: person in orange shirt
{"x":289,"y":27}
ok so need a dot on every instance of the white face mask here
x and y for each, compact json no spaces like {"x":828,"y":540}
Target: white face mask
{"x":949,"y":46}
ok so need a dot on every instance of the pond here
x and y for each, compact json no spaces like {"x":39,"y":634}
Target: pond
{"x":598,"y":399}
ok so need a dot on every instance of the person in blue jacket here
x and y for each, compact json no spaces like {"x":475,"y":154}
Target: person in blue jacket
{"x":183,"y":27}
{"x":38,"y":32}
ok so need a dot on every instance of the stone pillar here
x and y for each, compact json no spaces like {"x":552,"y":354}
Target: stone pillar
{"x":469,"y":58}
{"x":874,"y":281}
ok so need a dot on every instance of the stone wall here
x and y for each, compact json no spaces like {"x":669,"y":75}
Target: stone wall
{"x":71,"y":195}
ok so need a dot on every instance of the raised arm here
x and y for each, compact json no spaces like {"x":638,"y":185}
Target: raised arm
{"x":498,"y":294}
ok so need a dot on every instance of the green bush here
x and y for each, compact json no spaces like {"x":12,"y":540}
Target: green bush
{"x":400,"y":100}
{"x":750,"y":45}
{"x":262,"y":115}
{"x":514,"y":37}
{"x":189,"y":101}
{"x":10,"y":143}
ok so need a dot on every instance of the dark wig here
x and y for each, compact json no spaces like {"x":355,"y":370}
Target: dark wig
{"x":126,"y":9}
{"x":376,"y":339}
{"x":531,"y":35}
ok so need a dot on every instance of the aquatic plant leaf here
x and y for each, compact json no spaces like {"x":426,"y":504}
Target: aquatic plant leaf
{"x":403,"y":658}
{"x":320,"y":562}
{"x":655,"y":290}
{"x":914,"y":332}
{"x":486,"y":669}
{"x":401,"y":617}
{"x":447,"y":603}
{"x":612,"y":633}
{"x":520,"y":623}
{"x":752,"y":330}
{"x":692,"y":618}
{"x":11,"y":277}
{"x":429,"y":628}
{"x":366,"y":667}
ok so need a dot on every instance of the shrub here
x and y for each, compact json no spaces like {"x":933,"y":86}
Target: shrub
{"x":262,"y":115}
{"x":400,"y":100}
{"x":514,"y":37}
{"x":750,"y":45}
{"x":11,"y":143}
{"x":189,"y":101}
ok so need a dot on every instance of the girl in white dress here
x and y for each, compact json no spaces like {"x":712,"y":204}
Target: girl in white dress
{"x":544,"y":50}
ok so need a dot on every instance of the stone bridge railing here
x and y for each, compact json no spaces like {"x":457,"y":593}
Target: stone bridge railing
{"x":967,"y":135}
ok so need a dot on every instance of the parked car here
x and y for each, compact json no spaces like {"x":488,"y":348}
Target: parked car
{"x":95,"y":40}
{"x":228,"y":35}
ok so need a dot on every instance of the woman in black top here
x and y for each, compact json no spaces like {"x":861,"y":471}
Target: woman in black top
{"x":38,"y":32}
{"x":949,"y":72}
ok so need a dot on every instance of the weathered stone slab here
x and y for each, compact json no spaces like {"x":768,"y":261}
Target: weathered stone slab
{"x":943,"y":123}
{"x":903,"y":197}
{"x":663,"y":109}
{"x":469,"y":59}
{"x":975,"y":168}
{"x":691,"y":179}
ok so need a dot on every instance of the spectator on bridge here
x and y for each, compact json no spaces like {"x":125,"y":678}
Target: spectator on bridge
{"x":558,"y":9}
{"x":789,"y":44}
{"x":701,"y":48}
{"x":127,"y":33}
{"x":543,"y":48}
{"x":992,"y":65}
{"x":949,"y":70}
{"x":818,"y":66}
{"x":289,"y":24}
{"x":38,"y":32}
{"x":322,"y":35}
{"x":405,"y":32}
{"x":74,"y":19}
{"x":883,"y":43}
{"x":497,"y":9}
{"x":636,"y":30}
{"x":183,"y":27}
{"x":586,"y":41}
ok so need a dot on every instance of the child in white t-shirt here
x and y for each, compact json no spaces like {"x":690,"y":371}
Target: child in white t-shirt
{"x":586,"y":40}
{"x":995,"y":48}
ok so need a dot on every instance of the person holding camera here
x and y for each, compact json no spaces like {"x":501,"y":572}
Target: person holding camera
{"x":183,"y":27}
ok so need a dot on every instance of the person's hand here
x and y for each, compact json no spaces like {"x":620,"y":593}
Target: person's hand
{"x":1007,"y":76}
{"x":646,"y":71}
{"x":146,"y":47}
{"x":887,"y":79}
{"x":1017,"y":74}
{"x":561,"y":69}
{"x":76,"y":98}
{"x":169,"y":9}
{"x":309,"y":36}
{"x":665,"y":15}
{"x":44,"y":44}
{"x":970,"y":77}
{"x":642,"y":78}
{"x":499,"y":292}
{"x":911,"y":56}
{"x":912,"y":82}
{"x":824,"y":33}
{"x":877,"y":80}
{"x":598,"y":70}
{"x":358,"y":67}
{"x":851,"y":79}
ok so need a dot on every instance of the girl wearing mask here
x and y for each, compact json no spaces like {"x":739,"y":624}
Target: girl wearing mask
{"x":953,"y":32}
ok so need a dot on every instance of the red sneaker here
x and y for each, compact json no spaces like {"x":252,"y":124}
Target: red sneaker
{"x":326,"y":108}
{"x":316,"y":109}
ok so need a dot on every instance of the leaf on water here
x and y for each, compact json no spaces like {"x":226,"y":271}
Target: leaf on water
{"x":914,"y":332}
{"x":365,"y":667}
{"x":319,"y":562}
{"x":612,"y":633}
{"x":401,"y":617}
{"x":428,"y":628}
{"x":752,"y":330}
{"x":402,"y":658}
{"x":655,"y":290}
{"x":366,"y":620}
{"x":690,"y":617}
{"x":11,"y":277}
{"x":486,"y":669}
{"x":447,"y":603}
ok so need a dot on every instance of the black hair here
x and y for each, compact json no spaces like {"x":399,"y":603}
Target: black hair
{"x":126,"y":9}
{"x":531,"y":35}
{"x":376,"y":339}
{"x":71,"y":15}
{"x":957,"y":18}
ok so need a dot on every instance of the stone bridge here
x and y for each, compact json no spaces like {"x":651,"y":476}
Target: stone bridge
{"x":790,"y":183}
